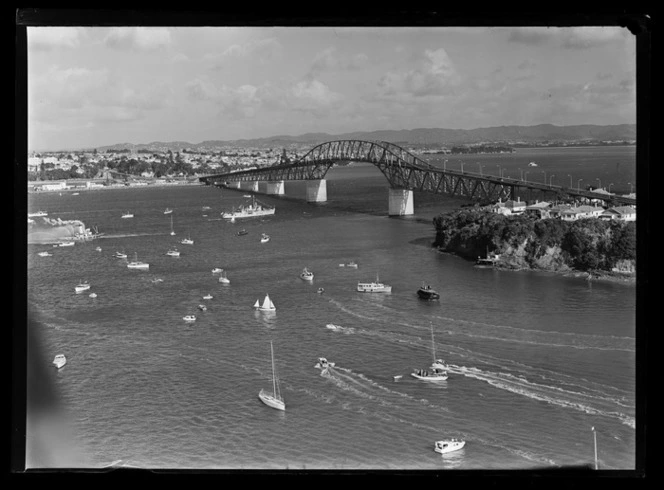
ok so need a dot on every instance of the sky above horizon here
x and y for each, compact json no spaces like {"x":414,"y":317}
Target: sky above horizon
{"x":97,"y":86}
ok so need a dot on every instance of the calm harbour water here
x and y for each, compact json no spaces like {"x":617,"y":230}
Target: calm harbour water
{"x":536,"y":359}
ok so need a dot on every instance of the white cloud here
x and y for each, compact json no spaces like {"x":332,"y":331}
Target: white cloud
{"x":330,"y":60}
{"x":589,"y":37}
{"x":47,"y":38}
{"x":139,"y":38}
{"x":261,"y":50}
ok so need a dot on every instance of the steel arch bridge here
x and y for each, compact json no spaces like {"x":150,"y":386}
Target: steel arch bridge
{"x":404,"y":170}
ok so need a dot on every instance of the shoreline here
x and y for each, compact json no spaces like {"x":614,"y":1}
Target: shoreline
{"x":31,"y":186}
{"x":628,"y":279}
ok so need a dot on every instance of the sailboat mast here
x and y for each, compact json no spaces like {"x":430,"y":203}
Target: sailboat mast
{"x":274,"y":379}
{"x":433,"y":345}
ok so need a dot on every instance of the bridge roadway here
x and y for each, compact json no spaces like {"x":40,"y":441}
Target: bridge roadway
{"x":405,"y":172}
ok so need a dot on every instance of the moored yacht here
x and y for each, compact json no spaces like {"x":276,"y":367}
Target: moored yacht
{"x":173,"y":252}
{"x":267,"y":305}
{"x":373,"y":287}
{"x":59,"y":361}
{"x":307,"y":275}
{"x":427,"y":292}
{"x":83,"y":286}
{"x":448,"y":445}
{"x":137,"y":264}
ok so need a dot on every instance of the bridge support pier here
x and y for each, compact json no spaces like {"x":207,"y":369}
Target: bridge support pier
{"x":276,"y":188}
{"x":317,"y":190}
{"x":234,"y":184}
{"x":401,"y":202}
{"x":251,"y":185}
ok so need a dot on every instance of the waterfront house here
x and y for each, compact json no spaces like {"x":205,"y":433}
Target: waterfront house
{"x":579,"y":212}
{"x":509,"y":207}
{"x":540,"y":209}
{"x":623,"y":213}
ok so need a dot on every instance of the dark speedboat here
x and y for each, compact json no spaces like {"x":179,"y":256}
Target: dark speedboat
{"x":426,"y":292}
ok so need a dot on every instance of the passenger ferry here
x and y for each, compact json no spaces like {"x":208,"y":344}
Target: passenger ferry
{"x":373,"y":287}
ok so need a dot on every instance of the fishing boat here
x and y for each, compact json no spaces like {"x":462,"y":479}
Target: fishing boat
{"x":120,"y":255}
{"x":323,"y":364}
{"x":83,"y":286}
{"x":189,"y":318}
{"x":427,"y":292}
{"x":172,"y":231}
{"x":373,"y":287}
{"x":37,"y":214}
{"x":251,"y":210}
{"x":59,"y":361}
{"x":173,"y":252}
{"x":223,"y":279}
{"x":45,"y":254}
{"x":438,"y":369}
{"x":217,"y":270}
{"x":274,"y":399}
{"x":187,"y":241}
{"x":137,"y":264}
{"x":448,"y":445}
{"x":207,"y":296}
{"x":66,"y":244}
{"x":128,"y":215}
{"x":242,"y":232}
{"x":307,"y":275}
{"x":267,"y":305}
{"x":265,"y":238}
{"x":168,"y":211}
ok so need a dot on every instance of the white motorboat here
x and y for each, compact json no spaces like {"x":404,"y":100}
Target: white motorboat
{"x":323,"y":364}
{"x":84,"y":286}
{"x":207,"y":296}
{"x":202,"y":307}
{"x":265,"y":238}
{"x":59,"y":361}
{"x":168,"y":211}
{"x":98,"y":249}
{"x":128,"y":215}
{"x":373,"y":287}
{"x":173,"y":252}
{"x":267,"y":305}
{"x":187,"y":241}
{"x":252,"y":210}
{"x":274,"y":399}
{"x":448,"y":445}
{"x":137,"y":264}
{"x":45,"y":254}
{"x":66,"y":244}
{"x":217,"y":270}
{"x":334,"y":327}
{"x":307,"y":275}
{"x":120,"y":255}
{"x":93,"y":295}
{"x":37,"y":214}
{"x":189,"y":318}
{"x":223,"y":279}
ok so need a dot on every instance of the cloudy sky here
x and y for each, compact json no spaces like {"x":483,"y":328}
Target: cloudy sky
{"x":96,"y":86}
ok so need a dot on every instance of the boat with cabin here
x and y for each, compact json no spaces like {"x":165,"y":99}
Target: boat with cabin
{"x":45,"y":254}
{"x":59,"y":361}
{"x":306,"y":275}
{"x":490,"y":259}
{"x":242,"y":232}
{"x":207,"y":296}
{"x":187,"y":241}
{"x":120,"y":255}
{"x":265,"y":238}
{"x":168,"y":211}
{"x":427,"y":292}
{"x":323,"y":364}
{"x":189,"y":318}
{"x":274,"y":399}
{"x":251,"y":210}
{"x":217,"y":270}
{"x":267,"y":305}
{"x":83,"y":286}
{"x":438,"y":369}
{"x":127,"y":214}
{"x":66,"y":244}
{"x":223,"y":279}
{"x":373,"y":287}
{"x":137,"y":264}
{"x":173,"y":252}
{"x":448,"y":445}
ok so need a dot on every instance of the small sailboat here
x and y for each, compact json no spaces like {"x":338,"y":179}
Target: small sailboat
{"x":267,"y":305}
{"x":59,"y":361}
{"x":307,"y":275}
{"x":173,"y":252}
{"x":168,"y":211}
{"x":207,"y":296}
{"x":274,"y":399}
{"x":137,"y":264}
{"x":187,"y":241}
{"x":172,"y":231}
{"x":223,"y":279}
{"x":437,"y":371}
{"x":127,"y":214}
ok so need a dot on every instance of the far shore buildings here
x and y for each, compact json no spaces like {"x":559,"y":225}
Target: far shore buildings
{"x":565,"y":212}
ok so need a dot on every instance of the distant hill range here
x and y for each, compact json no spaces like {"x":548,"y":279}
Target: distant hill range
{"x":509,"y":135}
